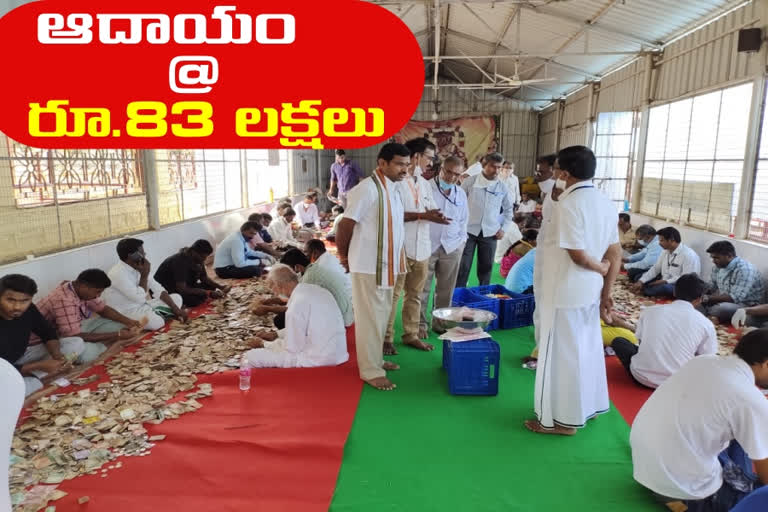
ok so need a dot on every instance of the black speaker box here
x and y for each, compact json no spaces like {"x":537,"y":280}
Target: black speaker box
{"x":750,"y":40}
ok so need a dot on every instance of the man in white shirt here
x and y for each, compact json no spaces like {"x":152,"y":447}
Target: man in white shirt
{"x":676,"y":260}
{"x":447,"y":240}
{"x":306,"y":211}
{"x":281,"y":229}
{"x":420,"y":212}
{"x":314,"y":333}
{"x":544,"y":175}
{"x":370,"y":244}
{"x":693,"y":439}
{"x":325,"y":270}
{"x":571,"y":385}
{"x":135,"y":294}
{"x":473,"y":170}
{"x":486,"y":197}
{"x":670,"y":335}
{"x":527,"y":205}
{"x":510,"y":180}
{"x":511,"y":236}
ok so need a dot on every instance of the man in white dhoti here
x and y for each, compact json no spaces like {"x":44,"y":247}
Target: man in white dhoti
{"x":314,"y":333}
{"x":571,"y":384}
{"x":135,"y":294}
{"x":370,"y":242}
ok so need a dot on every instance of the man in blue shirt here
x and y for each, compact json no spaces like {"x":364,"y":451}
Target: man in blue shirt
{"x":234,"y":259}
{"x":638,"y":264}
{"x":345,"y":174}
{"x":486,"y":196}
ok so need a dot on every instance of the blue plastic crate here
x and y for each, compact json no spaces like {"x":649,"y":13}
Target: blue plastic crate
{"x":465,"y":297}
{"x":515,"y":312}
{"x":472,"y":366}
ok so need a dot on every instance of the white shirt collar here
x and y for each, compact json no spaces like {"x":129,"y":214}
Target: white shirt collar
{"x":482,"y":182}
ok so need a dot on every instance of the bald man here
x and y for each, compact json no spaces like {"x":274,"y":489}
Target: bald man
{"x":314,"y":333}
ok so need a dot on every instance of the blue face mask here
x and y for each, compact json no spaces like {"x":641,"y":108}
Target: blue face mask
{"x":642,"y":243}
{"x":444,"y":185}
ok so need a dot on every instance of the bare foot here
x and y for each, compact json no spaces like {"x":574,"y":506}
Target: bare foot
{"x":390,"y":366}
{"x":423,"y":334}
{"x":535,"y":426}
{"x":381,"y":383}
{"x":426,"y":347}
{"x":528,"y":359}
{"x":389,"y":349}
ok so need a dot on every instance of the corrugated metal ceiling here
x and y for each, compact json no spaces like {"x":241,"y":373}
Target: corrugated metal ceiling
{"x":545,"y":27}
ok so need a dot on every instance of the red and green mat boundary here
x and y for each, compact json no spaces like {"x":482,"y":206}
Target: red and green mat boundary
{"x":420,"y":448}
{"x":279,"y":447}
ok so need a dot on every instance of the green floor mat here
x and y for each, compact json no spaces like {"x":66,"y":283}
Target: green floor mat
{"x":419,"y":448}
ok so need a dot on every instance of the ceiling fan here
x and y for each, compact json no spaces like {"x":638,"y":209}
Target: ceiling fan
{"x":514,"y":80}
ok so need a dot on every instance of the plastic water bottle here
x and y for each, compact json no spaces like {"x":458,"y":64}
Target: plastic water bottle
{"x":245,"y":374}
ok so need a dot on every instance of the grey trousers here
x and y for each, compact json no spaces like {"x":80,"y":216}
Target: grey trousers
{"x":445,"y":267}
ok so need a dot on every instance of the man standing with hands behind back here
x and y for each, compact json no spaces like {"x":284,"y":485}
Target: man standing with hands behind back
{"x":370,"y":244}
{"x":571,"y":384}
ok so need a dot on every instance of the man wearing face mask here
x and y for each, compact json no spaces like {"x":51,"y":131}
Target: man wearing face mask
{"x":314,"y":333}
{"x":486,"y":197}
{"x":447,"y":241}
{"x":638,"y":264}
{"x":571,"y":385}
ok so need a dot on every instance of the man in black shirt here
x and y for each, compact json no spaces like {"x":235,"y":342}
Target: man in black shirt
{"x":184,"y":273}
{"x":18,"y":319}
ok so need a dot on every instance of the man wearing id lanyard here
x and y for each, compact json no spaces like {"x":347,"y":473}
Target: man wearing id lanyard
{"x":571,"y":384}
{"x":447,"y":240}
{"x":676,"y":260}
{"x":420,"y":212}
{"x":486,"y":196}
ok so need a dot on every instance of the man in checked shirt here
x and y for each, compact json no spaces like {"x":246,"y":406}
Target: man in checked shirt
{"x":736,"y":284}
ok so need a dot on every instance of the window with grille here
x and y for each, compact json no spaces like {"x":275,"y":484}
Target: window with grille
{"x":43,"y":177}
{"x":758,"y":221}
{"x":197,"y":182}
{"x":267,"y":174}
{"x":614,"y":148}
{"x":694,"y":159}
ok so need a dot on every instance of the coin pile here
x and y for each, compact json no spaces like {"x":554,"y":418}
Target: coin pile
{"x":79,"y":433}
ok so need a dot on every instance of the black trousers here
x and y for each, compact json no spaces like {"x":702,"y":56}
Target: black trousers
{"x":635,"y":273}
{"x":625,"y":351}
{"x":280,"y":320}
{"x":486,"y":250}
{"x":192,"y":300}
{"x":233,"y":272}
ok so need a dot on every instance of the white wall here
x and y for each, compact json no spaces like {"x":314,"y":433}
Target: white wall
{"x":699,"y":240}
{"x":50,"y":270}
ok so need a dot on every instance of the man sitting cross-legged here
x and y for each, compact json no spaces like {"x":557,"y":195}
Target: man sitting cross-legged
{"x":314,"y":333}
{"x":670,"y":335}
{"x":75,"y":309}
{"x":135,"y":293}
{"x":184,"y":273}
{"x":18,"y":319}
{"x":693,"y":439}
{"x":676,"y":260}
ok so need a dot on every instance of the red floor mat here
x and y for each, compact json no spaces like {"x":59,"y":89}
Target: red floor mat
{"x":627,"y":396}
{"x":277,"y":447}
